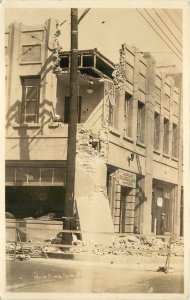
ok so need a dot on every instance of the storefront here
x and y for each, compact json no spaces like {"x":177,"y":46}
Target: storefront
{"x":35,"y":188}
{"x":163,"y":206}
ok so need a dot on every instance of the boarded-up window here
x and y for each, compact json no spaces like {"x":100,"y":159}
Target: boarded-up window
{"x":156,"y":131}
{"x":166,"y":136}
{"x":31,"y":53}
{"x":30,"y":99}
{"x":140,"y":122}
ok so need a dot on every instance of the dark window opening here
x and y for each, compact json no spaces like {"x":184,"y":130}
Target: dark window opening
{"x":64,"y":63}
{"x":88,"y":61}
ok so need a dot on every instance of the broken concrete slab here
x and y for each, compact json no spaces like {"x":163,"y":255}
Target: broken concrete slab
{"x":95,"y":218}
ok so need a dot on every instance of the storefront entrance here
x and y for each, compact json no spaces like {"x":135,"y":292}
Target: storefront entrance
{"x":162,"y":208}
{"x":121,"y":194}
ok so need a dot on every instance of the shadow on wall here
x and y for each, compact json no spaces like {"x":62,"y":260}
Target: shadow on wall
{"x":27,"y":134}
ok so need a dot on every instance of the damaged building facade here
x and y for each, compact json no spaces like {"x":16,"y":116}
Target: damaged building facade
{"x":129,"y":140}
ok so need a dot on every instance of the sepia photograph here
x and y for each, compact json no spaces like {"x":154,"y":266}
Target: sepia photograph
{"x":94,"y":166}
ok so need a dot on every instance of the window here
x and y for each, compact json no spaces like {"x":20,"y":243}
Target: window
{"x":175,"y":141}
{"x":156,"y":130}
{"x":166,"y":136}
{"x":140,"y":122}
{"x":30,"y":99}
{"x":31,"y":53}
{"x":66,"y":109}
{"x":128,"y":114}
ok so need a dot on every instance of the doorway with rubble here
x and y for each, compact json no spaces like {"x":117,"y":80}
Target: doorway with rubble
{"x":121,"y":195}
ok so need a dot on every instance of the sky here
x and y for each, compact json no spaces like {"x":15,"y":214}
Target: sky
{"x":158,"y":31}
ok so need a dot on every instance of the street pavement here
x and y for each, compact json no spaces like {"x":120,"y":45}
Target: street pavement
{"x":66,"y":276}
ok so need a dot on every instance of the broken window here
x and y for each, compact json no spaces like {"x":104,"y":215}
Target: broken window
{"x":30,"y":99}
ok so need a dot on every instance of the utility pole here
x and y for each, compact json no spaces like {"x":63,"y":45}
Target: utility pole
{"x":72,"y":128}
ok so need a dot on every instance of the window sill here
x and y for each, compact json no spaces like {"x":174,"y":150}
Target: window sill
{"x":27,"y":125}
{"x":156,"y":151}
{"x":128,"y":138}
{"x":142,"y":145}
{"x":30,"y":63}
{"x":175,"y":159}
{"x":166,"y":155}
{"x":114,"y":131}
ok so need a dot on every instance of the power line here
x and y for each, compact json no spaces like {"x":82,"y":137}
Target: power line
{"x":158,"y":34}
{"x":167,"y":27}
{"x":172,"y":20}
{"x":83,"y":15}
{"x":163,"y":32}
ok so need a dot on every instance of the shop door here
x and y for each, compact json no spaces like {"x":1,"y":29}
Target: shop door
{"x":161,"y":206}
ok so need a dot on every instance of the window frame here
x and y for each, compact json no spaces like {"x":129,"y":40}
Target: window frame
{"x":174,"y":140}
{"x":128,"y":113}
{"x":156,"y":131}
{"x":166,"y":136}
{"x":141,"y":122}
{"x":23,"y":114}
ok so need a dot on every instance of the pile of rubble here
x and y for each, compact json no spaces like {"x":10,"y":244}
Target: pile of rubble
{"x":131,"y":245}
{"x":124,"y":246}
